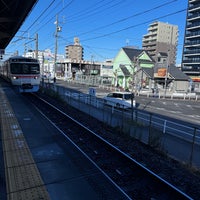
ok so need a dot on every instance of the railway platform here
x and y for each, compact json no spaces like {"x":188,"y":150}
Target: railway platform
{"x":22,"y":179}
{"x":38,"y":162}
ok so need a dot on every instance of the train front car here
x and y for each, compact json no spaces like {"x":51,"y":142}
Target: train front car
{"x":24,"y":73}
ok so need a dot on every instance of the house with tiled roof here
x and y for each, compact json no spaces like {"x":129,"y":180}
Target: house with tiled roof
{"x":170,"y":77}
{"x":176,"y":80}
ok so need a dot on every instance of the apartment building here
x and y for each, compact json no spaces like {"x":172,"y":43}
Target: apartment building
{"x":74,"y":52}
{"x":191,"y":49}
{"x":161,"y":38}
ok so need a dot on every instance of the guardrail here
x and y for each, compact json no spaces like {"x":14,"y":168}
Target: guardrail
{"x":96,"y":81}
{"x":170,"y":95}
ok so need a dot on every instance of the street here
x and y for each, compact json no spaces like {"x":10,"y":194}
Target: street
{"x":186,"y":110}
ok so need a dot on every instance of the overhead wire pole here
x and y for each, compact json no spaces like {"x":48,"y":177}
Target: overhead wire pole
{"x":36,"y":46}
{"x":166,"y":75}
{"x":56,"y":47}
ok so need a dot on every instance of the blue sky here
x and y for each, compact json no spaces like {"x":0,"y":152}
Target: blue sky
{"x":103,"y":26}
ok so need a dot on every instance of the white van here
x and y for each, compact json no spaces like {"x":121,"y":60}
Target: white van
{"x":120,"y":99}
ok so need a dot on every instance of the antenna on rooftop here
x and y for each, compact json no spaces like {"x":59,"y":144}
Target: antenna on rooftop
{"x":127,"y":42}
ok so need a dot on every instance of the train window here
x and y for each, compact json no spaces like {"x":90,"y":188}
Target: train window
{"x":25,"y":69}
{"x":15,"y":68}
{"x":18,"y":68}
{"x":34,"y":69}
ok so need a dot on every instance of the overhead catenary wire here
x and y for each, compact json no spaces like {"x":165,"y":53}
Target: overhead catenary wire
{"x":45,"y":10}
{"x":42,"y":15}
{"x":101,"y":6}
{"x":42,"y":26}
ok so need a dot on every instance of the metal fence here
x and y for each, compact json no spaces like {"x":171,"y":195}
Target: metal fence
{"x":107,"y":82}
{"x":175,"y":138}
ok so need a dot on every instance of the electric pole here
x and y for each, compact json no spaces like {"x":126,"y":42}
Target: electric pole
{"x":36,"y":46}
{"x":58,"y":29}
{"x":56,"y":46}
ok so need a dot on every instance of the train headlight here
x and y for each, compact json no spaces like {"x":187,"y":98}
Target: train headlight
{"x":14,"y":77}
{"x":35,"y":77}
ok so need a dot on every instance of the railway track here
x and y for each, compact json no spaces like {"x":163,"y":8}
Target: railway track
{"x":133,"y":179}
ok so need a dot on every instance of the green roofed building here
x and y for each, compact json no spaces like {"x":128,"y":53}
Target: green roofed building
{"x":126,"y":65}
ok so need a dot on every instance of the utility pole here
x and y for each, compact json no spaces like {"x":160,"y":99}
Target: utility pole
{"x":133,"y":90}
{"x":56,"y":47}
{"x":36,"y":46}
{"x":166,"y":75}
{"x":58,"y":29}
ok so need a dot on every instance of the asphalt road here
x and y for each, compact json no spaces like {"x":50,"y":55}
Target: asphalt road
{"x":185,"y":110}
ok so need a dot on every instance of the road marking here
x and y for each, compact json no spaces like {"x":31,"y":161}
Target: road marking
{"x":176,"y":104}
{"x":194,"y":116}
{"x":173,"y":111}
{"x":159,"y":108}
{"x":190,"y":106}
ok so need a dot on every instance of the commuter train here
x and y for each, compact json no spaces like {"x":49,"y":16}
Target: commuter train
{"x":22,"y":72}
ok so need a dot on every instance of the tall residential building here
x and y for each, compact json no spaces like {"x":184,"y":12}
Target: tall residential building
{"x":191,"y":48}
{"x":161,"y":38}
{"x":74,"y":52}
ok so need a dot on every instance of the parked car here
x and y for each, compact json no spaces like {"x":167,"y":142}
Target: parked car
{"x":120,"y":99}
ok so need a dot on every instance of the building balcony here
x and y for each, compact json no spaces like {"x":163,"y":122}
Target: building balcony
{"x":192,"y":61}
{"x":193,"y":34}
{"x":192,"y":43}
{"x":153,"y":28}
{"x":192,"y":52}
{"x":149,"y":45}
{"x":150,"y":36}
{"x":194,"y":6}
{"x":193,"y":25}
{"x":149,"y":41}
{"x":193,"y":16}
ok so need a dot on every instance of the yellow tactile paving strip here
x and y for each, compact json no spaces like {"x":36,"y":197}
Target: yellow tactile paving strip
{"x":23,"y":180}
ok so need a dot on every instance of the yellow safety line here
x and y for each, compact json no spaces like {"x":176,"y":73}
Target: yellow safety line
{"x":23,"y":180}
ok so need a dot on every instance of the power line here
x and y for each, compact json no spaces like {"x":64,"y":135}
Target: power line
{"x":86,"y":10}
{"x":90,"y":13}
{"x":133,"y":26}
{"x":41,"y":14}
{"x":127,"y":18}
{"x":50,"y":12}
{"x":55,"y":15}
{"x":49,"y":19}
{"x":96,"y":11}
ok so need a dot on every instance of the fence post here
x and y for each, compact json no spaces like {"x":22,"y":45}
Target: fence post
{"x":122,"y":125}
{"x":164,"y":127}
{"x":150,"y":121}
{"x":193,"y":143}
